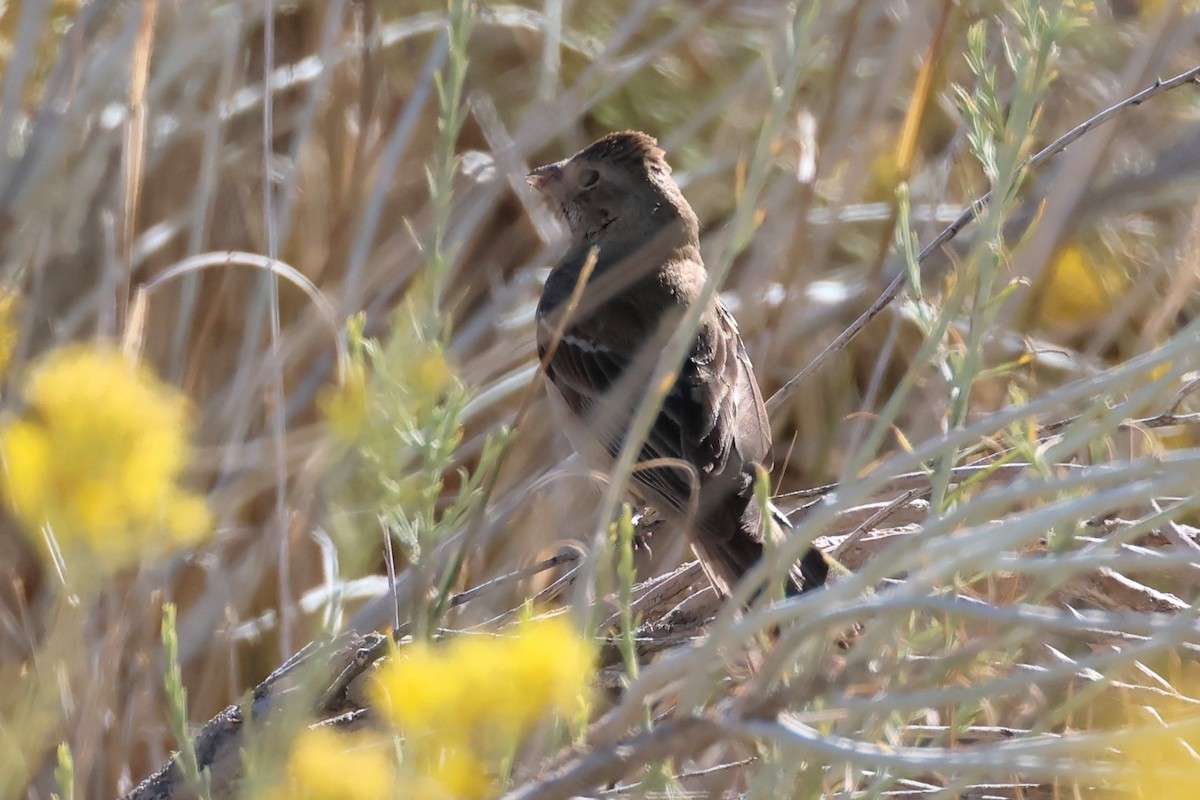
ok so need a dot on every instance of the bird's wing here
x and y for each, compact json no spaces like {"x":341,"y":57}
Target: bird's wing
{"x":712,"y":419}
{"x":710,"y":415}
{"x":582,"y":368}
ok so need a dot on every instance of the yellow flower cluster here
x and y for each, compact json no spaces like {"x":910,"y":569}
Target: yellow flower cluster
{"x":463,"y":706}
{"x":95,"y":457}
{"x":10,"y":302}
{"x":416,"y":377}
{"x":431,"y":374}
{"x":1159,"y":762}
{"x":1080,"y":287}
{"x":324,"y":765}
{"x":1162,"y":765}
{"x":345,"y":405}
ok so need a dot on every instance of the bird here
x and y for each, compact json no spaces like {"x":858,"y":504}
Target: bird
{"x":631,"y":271}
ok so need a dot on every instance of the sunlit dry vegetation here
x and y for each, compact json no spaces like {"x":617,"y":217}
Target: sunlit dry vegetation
{"x":270,"y":388}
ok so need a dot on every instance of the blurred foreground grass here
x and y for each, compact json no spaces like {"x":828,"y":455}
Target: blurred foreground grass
{"x":298,"y":281}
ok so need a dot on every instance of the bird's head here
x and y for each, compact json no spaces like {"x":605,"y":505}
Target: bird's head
{"x":618,"y":186}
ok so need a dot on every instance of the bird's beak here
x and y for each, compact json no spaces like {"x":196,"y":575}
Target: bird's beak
{"x":544,"y":178}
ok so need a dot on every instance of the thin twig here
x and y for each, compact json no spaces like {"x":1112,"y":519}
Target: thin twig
{"x":623,"y":789}
{"x":674,"y":738}
{"x":287,"y":610}
{"x":1174,"y":532}
{"x":872,"y":522}
{"x":390,"y":564}
{"x":568,"y":556}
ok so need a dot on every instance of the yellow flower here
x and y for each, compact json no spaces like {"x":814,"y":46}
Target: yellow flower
{"x":1155,"y":742}
{"x":9,"y":302}
{"x":475,"y":685}
{"x":470,"y":701}
{"x":416,"y":694}
{"x":448,"y":774}
{"x":408,"y":382}
{"x":324,"y":765}
{"x":884,"y":175}
{"x":1150,"y":9}
{"x":1080,"y":288}
{"x":345,"y":406}
{"x":546,"y":669}
{"x":1163,"y":764}
{"x":96,"y":457}
{"x":432,"y":374}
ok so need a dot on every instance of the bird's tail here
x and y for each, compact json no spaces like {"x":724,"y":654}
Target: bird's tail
{"x":811,"y":571}
{"x":730,"y":541}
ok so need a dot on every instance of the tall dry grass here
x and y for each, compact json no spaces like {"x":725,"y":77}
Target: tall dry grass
{"x":224,"y":186}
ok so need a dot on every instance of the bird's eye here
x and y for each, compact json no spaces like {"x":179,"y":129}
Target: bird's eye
{"x":588,"y":178}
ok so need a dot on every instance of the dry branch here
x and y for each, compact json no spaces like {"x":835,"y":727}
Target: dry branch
{"x":219,"y":742}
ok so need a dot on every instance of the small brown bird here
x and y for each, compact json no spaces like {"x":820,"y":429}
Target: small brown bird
{"x":698,"y":464}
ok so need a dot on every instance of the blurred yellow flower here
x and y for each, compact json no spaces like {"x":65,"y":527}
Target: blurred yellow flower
{"x":324,"y":765}
{"x":1154,"y":737}
{"x":1150,"y":9}
{"x":345,"y":405}
{"x":1161,"y":764}
{"x":541,"y":671}
{"x":450,"y":773}
{"x":1079,"y":288}
{"x":884,"y":175}
{"x":9,"y":304}
{"x":409,"y":382}
{"x":546,"y":668}
{"x":469,"y":701}
{"x":432,"y":374}
{"x":96,"y":456}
